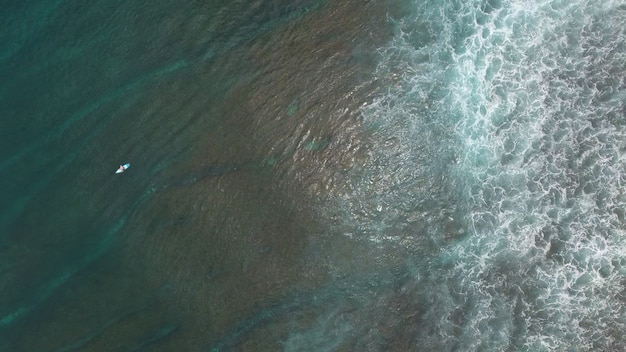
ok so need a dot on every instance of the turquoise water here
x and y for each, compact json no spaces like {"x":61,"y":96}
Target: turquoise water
{"x":312,"y":176}
{"x":519,"y":109}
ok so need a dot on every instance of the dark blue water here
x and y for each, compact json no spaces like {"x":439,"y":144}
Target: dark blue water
{"x":312,"y":176}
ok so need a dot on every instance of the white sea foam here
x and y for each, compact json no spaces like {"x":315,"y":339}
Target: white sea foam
{"x":509,"y":116}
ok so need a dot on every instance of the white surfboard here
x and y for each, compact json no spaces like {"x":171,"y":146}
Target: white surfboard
{"x":122,"y":168}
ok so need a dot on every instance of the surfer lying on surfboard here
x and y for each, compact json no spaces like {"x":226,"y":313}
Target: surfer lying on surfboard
{"x":122,"y":168}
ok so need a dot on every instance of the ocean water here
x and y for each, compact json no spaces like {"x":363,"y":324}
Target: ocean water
{"x":313,"y":175}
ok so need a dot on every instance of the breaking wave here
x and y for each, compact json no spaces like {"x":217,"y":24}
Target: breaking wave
{"x":500,"y":141}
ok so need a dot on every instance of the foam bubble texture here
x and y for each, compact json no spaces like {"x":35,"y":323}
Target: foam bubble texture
{"x":510,"y":117}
